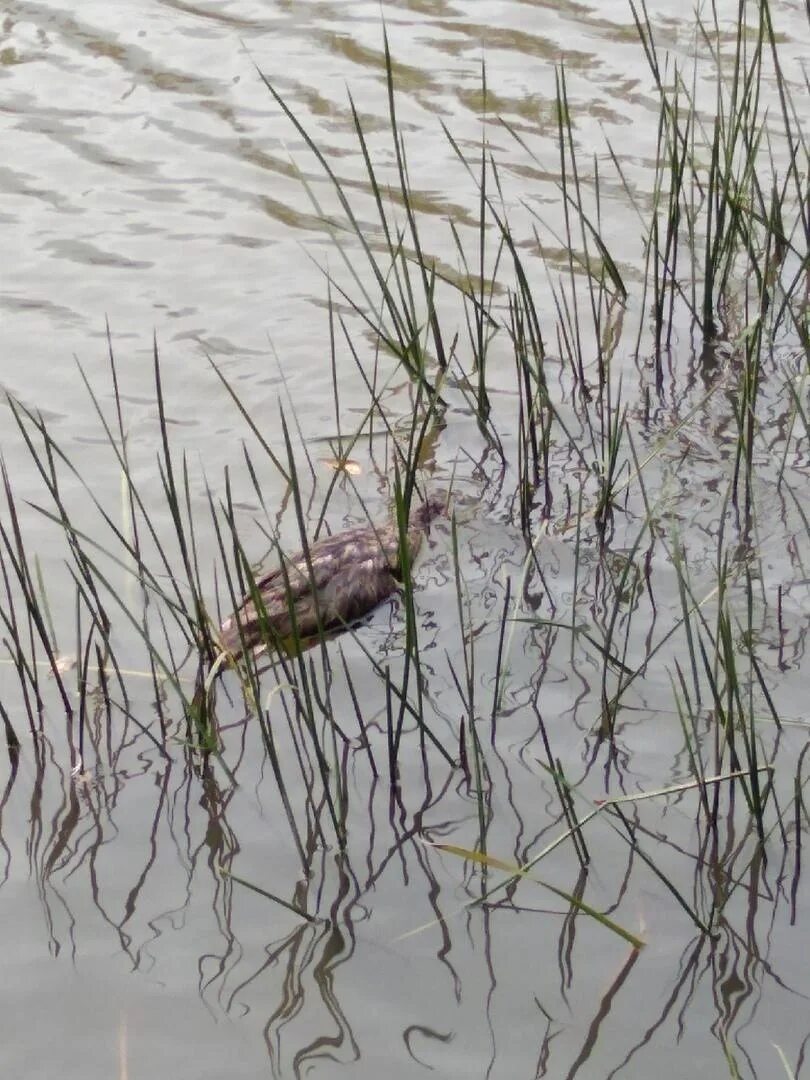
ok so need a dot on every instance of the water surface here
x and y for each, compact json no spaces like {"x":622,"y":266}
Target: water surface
{"x":152,"y":183}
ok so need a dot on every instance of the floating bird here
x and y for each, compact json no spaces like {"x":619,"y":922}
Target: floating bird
{"x":351,"y":572}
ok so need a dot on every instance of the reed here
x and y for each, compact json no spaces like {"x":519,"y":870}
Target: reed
{"x":580,"y":460}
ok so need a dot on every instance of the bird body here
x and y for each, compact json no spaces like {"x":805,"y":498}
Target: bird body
{"x":351,"y":572}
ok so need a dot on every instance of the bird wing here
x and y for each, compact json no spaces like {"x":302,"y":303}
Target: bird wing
{"x":363,"y":551}
{"x":351,"y":572}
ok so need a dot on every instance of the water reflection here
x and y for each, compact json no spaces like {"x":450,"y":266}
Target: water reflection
{"x":310,"y":986}
{"x":217,"y":862}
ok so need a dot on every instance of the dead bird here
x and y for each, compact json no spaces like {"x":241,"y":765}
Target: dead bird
{"x":352,"y":572}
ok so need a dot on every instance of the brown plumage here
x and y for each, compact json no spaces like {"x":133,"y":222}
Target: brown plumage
{"x":352,"y":572}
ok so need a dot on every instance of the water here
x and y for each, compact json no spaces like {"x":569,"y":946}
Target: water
{"x":150,"y":181}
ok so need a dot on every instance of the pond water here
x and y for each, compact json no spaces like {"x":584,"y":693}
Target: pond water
{"x":152,"y":184}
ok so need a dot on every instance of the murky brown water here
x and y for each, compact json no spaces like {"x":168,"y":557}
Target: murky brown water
{"x":149,"y":179}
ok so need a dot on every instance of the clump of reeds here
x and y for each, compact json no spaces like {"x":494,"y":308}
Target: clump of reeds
{"x":724,"y":234}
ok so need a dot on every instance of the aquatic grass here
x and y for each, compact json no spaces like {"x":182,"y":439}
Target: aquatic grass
{"x":409,"y":454}
{"x":623,"y":590}
{"x":88,"y":570}
{"x":272,"y":897}
{"x":606,"y":807}
{"x":535,"y":421}
{"x":310,"y":699}
{"x":743,"y":214}
{"x":183,"y":530}
{"x":408,"y":457}
{"x":612,"y":460}
{"x":394,"y":693}
{"x":306,"y":682}
{"x":501,"y":663}
{"x":251,"y":680}
{"x":127,"y":534}
{"x":483,"y":325}
{"x":88,"y":574}
{"x":522,"y":872}
{"x":87,"y":580}
{"x":688,"y":717}
{"x":660,"y":589}
{"x":554,"y":766}
{"x":404,"y":490}
{"x":674,"y":144}
{"x":466,"y":688}
{"x":470,"y":749}
{"x":400,"y":300}
{"x":719,"y":649}
{"x":192,"y":618}
{"x":288,"y":655}
{"x":401,"y":303}
{"x":23,"y":639}
{"x":573,"y":204}
{"x":524,"y":291}
{"x":11,"y":737}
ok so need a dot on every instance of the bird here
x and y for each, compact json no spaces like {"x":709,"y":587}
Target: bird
{"x":351,"y":573}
